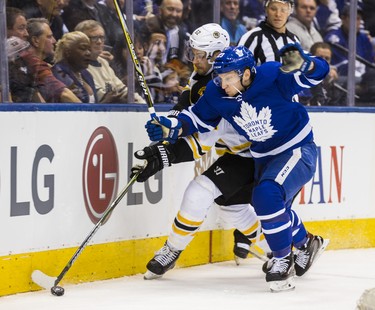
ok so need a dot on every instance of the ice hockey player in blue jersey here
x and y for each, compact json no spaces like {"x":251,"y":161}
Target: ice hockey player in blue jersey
{"x":258,"y":102}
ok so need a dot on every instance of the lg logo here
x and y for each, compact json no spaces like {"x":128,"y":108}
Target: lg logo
{"x":100,"y":179}
{"x":100,"y":173}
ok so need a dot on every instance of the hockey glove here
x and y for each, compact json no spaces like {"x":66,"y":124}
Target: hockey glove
{"x":294,"y":58}
{"x":157,"y":157}
{"x":163,"y":128}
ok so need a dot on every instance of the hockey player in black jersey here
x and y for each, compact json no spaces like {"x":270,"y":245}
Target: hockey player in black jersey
{"x":233,"y":189}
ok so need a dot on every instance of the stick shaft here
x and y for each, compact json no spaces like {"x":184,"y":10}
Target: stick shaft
{"x":96,"y":227}
{"x":137,"y":66}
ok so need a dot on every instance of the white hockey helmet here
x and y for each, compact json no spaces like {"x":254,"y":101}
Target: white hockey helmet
{"x":15,"y":45}
{"x":209,"y":38}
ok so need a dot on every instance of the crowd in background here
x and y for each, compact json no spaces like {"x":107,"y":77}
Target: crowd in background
{"x":75,"y":50}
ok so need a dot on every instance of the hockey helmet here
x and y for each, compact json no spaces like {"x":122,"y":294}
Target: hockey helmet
{"x":234,"y":58}
{"x":14,"y":46}
{"x":208,"y":38}
{"x":290,"y":2}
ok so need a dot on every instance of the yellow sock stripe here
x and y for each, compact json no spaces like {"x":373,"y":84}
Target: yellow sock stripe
{"x":193,"y":147}
{"x":185,"y":221}
{"x":179,"y":231}
{"x":252,"y":229}
{"x":257,"y":238}
{"x":205,"y":148}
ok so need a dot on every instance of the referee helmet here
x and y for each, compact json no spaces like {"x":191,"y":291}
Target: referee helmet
{"x":290,"y":2}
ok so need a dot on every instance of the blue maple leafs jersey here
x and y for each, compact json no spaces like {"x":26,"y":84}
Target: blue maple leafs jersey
{"x":265,"y":113}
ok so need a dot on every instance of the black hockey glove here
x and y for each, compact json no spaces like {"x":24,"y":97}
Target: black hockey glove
{"x":294,"y":58}
{"x":157,"y":157}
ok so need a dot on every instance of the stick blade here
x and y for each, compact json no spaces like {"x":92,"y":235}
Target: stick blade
{"x":42,"y":279}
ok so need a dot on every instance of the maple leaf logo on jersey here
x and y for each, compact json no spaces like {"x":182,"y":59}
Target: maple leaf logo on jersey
{"x":257,"y":126}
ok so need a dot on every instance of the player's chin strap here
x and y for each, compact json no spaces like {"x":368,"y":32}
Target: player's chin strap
{"x":252,"y":76}
{"x":237,"y":88}
{"x":244,"y":86}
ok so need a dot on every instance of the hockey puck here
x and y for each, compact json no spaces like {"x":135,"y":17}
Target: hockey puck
{"x":57,"y":290}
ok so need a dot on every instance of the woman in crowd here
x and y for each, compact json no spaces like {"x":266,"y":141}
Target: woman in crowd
{"x":72,"y":58}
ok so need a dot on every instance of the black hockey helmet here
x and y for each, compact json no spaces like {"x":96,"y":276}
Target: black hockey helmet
{"x":290,"y":2}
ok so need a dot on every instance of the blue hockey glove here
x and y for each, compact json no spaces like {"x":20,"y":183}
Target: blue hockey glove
{"x":163,"y":129}
{"x":154,"y":131}
{"x":294,"y":58}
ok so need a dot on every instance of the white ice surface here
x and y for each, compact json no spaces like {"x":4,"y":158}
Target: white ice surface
{"x":336,"y":282}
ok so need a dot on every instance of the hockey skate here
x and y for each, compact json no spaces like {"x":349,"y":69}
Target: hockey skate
{"x":304,"y":257}
{"x":164,"y":260}
{"x":281,"y":274}
{"x":241,"y":247}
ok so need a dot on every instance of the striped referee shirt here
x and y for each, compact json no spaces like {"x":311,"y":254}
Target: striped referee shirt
{"x":265,"y":43}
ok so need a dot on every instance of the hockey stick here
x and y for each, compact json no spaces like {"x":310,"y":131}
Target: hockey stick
{"x":46,"y":281}
{"x":258,"y":255}
{"x":253,"y":251}
{"x":137,"y":66}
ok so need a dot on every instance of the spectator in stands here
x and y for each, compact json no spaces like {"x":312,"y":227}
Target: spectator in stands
{"x":369,"y":16}
{"x":327,"y":17}
{"x":203,"y":12}
{"x":42,"y":43}
{"x":18,"y":3}
{"x":144,"y":52}
{"x":79,"y":10}
{"x":271,"y":35}
{"x":22,"y":85}
{"x":156,"y":48}
{"x":51,"y":10}
{"x":168,"y":21}
{"x":302,"y":25}
{"x":141,"y":8}
{"x":251,"y":13}
{"x":323,"y":49}
{"x":340,"y":39}
{"x":328,"y":92}
{"x":16,"y":23}
{"x":110,"y":21}
{"x":230,"y":21}
{"x":35,"y":72}
{"x":187,"y":20}
{"x":72,"y":58}
{"x":175,"y":77}
{"x":109,"y":88}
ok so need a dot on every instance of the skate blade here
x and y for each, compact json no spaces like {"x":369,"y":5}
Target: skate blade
{"x":323,"y":247}
{"x":321,"y":250}
{"x":282,"y":286}
{"x":149,"y":275}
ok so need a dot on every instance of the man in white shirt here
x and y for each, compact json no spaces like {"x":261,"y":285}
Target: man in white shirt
{"x":109,"y":88}
{"x":301,"y":23}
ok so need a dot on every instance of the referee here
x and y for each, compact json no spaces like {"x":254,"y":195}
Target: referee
{"x":265,"y":40}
